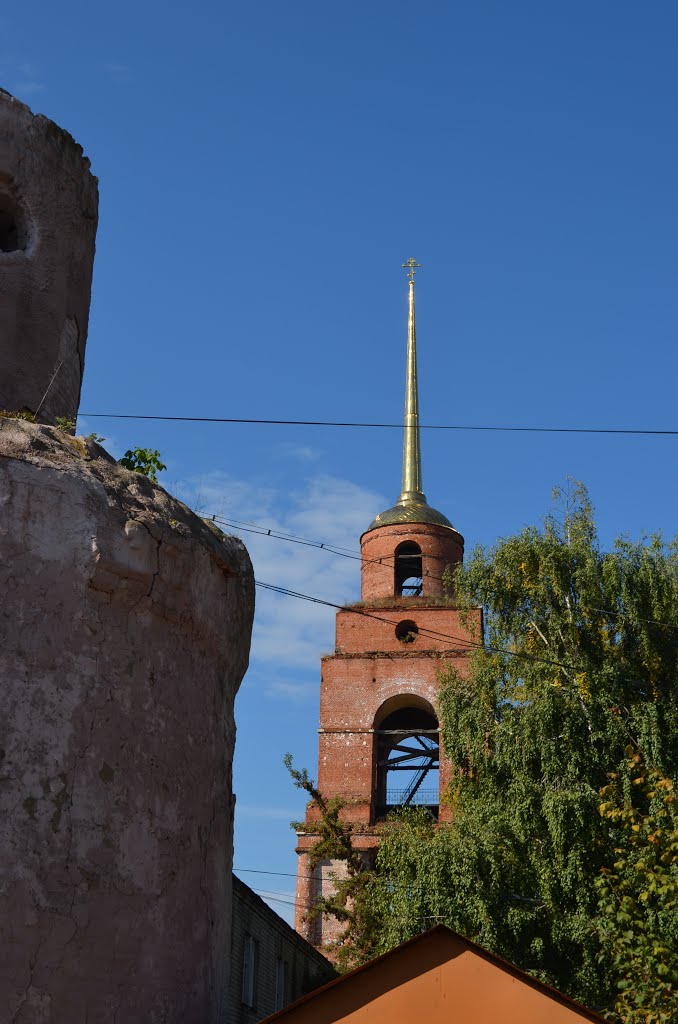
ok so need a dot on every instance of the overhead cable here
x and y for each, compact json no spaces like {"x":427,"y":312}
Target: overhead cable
{"x":624,"y":431}
{"x":334,"y":549}
{"x":432,"y":634}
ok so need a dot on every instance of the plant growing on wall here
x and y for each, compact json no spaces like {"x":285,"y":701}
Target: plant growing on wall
{"x":349,"y":901}
{"x":143,"y":460}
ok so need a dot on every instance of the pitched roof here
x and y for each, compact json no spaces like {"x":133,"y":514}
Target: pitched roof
{"x":412,"y":959}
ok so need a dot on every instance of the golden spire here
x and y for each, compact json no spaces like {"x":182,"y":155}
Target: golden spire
{"x":411,"y":492}
{"x":411,"y":506}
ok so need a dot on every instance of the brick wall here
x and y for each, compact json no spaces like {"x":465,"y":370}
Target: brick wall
{"x":441,"y":548}
{"x":275,"y":941}
{"x":389,"y":653}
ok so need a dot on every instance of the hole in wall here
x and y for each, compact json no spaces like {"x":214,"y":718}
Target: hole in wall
{"x":407,"y":631}
{"x":13,"y":221}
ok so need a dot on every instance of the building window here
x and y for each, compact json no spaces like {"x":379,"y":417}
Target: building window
{"x":281,"y":985}
{"x":407,"y":759}
{"x":408,"y":570}
{"x":249,"y":970}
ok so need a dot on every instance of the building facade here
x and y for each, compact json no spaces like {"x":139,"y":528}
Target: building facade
{"x":379,"y":743}
{"x":271,"y":964}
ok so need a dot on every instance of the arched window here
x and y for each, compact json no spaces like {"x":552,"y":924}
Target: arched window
{"x":13,"y":227}
{"x":407,"y":755}
{"x":408,"y":574}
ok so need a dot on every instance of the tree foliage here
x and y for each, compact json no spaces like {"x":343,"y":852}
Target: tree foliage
{"x":638,"y":896}
{"x":349,"y":899}
{"x":580,"y":653}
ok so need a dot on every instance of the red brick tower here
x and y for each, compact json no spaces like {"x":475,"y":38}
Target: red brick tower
{"x":378,"y":742}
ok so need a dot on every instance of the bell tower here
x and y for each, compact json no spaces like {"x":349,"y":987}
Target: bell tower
{"x":379,"y":743}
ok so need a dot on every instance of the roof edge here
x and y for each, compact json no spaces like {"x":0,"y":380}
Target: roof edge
{"x":443,"y":930}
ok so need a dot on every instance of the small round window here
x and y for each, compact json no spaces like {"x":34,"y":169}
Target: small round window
{"x":407,"y":631}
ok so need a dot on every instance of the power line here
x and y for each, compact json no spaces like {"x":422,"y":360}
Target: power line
{"x":264,"y":531}
{"x":258,"y":871}
{"x":432,"y":634}
{"x":286,"y":896}
{"x":289,"y":901}
{"x":623,"y":431}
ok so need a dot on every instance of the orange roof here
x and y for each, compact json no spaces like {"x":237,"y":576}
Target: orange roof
{"x":438,"y":976}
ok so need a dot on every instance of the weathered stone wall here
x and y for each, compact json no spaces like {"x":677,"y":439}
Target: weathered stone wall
{"x":124,"y":634}
{"x":48,"y":221}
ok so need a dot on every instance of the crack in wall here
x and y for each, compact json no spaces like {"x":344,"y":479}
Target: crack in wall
{"x":32,"y":965}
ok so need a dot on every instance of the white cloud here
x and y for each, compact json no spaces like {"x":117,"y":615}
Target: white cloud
{"x":292,"y":690}
{"x":302,"y":452}
{"x":289,"y":633}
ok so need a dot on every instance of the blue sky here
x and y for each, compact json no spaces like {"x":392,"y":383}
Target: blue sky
{"x":264,"y":170}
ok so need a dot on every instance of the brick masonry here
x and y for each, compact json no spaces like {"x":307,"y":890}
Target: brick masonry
{"x":275,"y":941}
{"x":441,"y":548}
{"x":372,"y":673}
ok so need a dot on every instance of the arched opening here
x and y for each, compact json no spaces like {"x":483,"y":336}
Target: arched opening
{"x":408,"y":572}
{"x":407,"y":756}
{"x":13,"y":226}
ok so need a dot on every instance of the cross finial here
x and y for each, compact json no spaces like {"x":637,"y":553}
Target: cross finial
{"x":411,"y":267}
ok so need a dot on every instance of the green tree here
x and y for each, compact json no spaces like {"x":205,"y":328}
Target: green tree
{"x":143,"y":460}
{"x":349,"y":902}
{"x":579,"y":653}
{"x":638,"y":895}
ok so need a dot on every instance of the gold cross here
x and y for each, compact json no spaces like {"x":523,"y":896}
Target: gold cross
{"x":410,"y":267}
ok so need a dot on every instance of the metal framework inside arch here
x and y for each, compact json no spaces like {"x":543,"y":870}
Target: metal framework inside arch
{"x":407,"y":761}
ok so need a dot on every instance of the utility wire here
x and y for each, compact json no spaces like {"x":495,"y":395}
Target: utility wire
{"x":430,"y":633}
{"x":258,"y":871}
{"x":264,"y":531}
{"x":288,"y":901}
{"x":277,"y":899}
{"x":625,"y":431}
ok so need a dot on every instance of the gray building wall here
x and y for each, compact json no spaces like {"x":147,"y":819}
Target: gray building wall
{"x":275,"y":941}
